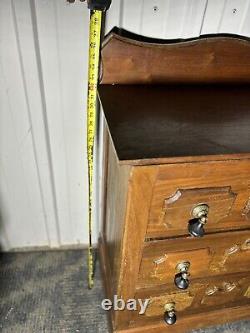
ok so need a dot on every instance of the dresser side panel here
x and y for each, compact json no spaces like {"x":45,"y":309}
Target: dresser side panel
{"x":117,"y":181}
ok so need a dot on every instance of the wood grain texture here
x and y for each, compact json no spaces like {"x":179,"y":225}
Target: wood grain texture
{"x":178,"y":209}
{"x":139,"y":197}
{"x":213,"y":255}
{"x":184,"y":140}
{"x":105,"y":166}
{"x":132,"y":59}
{"x":124,"y":228}
{"x":224,"y":186}
{"x":116,"y":200}
{"x":106,"y":277}
{"x":203,"y":295}
{"x":171,"y":121}
{"x":209,"y":256}
{"x":140,"y":265}
{"x":184,"y":159}
{"x":194,"y":321}
{"x":210,"y":295}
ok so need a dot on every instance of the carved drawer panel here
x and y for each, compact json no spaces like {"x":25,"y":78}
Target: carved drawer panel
{"x":203,"y":295}
{"x":223,"y":186}
{"x":208,"y":256}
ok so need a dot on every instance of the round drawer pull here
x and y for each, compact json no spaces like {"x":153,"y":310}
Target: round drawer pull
{"x":170,"y":315}
{"x":196,"y":225}
{"x":181,"y":279}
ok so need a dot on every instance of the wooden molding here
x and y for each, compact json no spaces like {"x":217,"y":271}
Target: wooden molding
{"x":132,"y":59}
{"x":177,"y":208}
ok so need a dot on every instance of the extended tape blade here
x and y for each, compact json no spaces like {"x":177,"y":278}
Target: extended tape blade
{"x":94,"y":52}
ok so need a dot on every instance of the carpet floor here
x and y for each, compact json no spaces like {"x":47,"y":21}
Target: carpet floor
{"x":47,"y":292}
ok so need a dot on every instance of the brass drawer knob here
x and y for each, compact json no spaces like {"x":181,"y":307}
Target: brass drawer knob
{"x":196,"y":225}
{"x":170,"y":315}
{"x":181,"y":279}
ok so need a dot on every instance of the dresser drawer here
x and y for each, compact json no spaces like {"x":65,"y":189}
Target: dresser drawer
{"x":208,"y":256}
{"x":223,"y":186}
{"x":204,"y":295}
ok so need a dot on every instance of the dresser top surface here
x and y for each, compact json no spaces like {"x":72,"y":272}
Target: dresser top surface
{"x":168,"y":121}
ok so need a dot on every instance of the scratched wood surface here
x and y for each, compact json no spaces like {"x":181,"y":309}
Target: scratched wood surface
{"x":203,"y":295}
{"x":224,"y":186}
{"x":183,"y":145}
{"x":212,"y":255}
{"x":132,"y":59}
{"x":176,"y":121}
{"x":116,"y":201}
{"x":194,"y":321}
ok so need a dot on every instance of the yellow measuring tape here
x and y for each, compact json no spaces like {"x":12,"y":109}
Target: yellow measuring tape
{"x":94,"y":51}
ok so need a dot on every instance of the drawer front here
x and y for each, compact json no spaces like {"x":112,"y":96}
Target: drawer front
{"x":204,"y":295}
{"x":223,"y":186}
{"x":208,"y":256}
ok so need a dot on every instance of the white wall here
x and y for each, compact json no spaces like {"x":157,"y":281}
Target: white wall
{"x":43,"y":79}
{"x":43,"y":197}
{"x":181,"y":18}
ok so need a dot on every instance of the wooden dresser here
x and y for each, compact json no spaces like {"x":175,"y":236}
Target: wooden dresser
{"x":177,"y":188}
